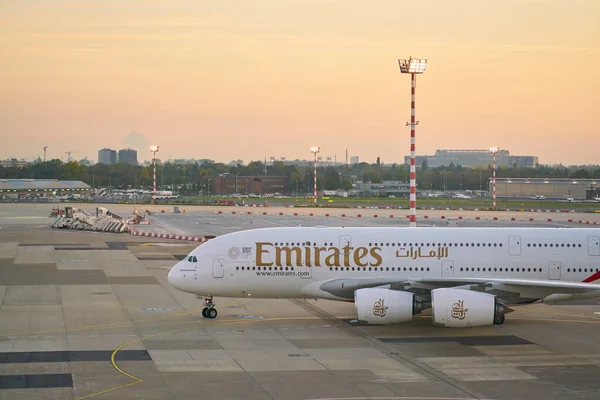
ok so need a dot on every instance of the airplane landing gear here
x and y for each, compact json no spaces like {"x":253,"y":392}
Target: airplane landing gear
{"x":209,"y":311}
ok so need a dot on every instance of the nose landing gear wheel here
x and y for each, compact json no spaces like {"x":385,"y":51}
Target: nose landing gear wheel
{"x":211,"y":313}
{"x":204,"y":310}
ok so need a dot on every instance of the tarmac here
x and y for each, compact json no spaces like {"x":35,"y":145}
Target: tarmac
{"x":90,"y":315}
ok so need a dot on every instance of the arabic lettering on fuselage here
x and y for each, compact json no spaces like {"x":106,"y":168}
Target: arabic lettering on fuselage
{"x":268,"y":254}
{"x":419,"y":253}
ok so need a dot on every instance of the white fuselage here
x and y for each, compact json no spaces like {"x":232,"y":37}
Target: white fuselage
{"x":298,"y":262}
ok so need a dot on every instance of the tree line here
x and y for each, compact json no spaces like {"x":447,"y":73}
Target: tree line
{"x":192,"y":178}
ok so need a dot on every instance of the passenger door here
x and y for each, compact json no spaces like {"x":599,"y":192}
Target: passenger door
{"x":447,"y":268}
{"x":345,"y":240}
{"x":554,"y":270}
{"x":514,"y":245}
{"x":218,"y":268}
{"x":593,"y":246}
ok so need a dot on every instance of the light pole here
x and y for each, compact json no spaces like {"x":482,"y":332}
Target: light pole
{"x":315,"y":150}
{"x":154,"y":150}
{"x":494,"y":151}
{"x":413,"y":66}
{"x":134,"y":192}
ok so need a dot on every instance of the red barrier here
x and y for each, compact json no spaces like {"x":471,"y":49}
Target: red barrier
{"x":310,"y":215}
{"x":477,"y":218}
{"x":459,"y":217}
{"x":513,"y":219}
{"x":443,"y":217}
{"x":375,"y":216}
{"x":327,"y":215}
{"x":359,"y":215}
{"x":343,"y":215}
{"x":280,"y":213}
{"x":391,"y":216}
{"x":495,"y":218}
{"x":264,"y":213}
{"x":423,"y":216}
{"x":549,"y":219}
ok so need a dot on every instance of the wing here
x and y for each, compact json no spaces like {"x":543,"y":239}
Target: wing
{"x":509,"y":291}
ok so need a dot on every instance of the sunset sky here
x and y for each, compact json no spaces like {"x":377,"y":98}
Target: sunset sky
{"x":251,"y":79}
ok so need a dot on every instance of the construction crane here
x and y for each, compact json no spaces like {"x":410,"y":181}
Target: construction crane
{"x":68,"y":153}
{"x":45,"y":148}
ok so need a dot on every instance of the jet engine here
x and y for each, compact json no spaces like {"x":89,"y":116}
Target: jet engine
{"x":385,"y":306}
{"x":458,"y":308}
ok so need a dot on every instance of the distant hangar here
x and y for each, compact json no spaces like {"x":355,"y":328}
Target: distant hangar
{"x":41,"y":187}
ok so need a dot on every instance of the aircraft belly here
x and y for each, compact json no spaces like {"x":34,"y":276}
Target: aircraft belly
{"x":264,"y":286}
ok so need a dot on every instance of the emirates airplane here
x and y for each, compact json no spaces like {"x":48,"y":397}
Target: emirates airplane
{"x":468,"y":276}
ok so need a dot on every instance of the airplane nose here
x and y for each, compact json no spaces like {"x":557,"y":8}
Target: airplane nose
{"x":174,"y":276}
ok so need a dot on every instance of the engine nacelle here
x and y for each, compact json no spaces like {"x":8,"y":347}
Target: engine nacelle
{"x":385,"y":306}
{"x":458,"y":308}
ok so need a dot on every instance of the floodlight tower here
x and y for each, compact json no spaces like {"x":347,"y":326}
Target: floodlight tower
{"x":154,"y":150}
{"x":413,"y":66}
{"x":315,"y":150}
{"x":494,"y":151}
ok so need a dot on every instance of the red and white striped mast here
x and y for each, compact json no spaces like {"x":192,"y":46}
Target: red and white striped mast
{"x":154,"y":150}
{"x":413,"y":66}
{"x":494,"y":151}
{"x":315,"y":150}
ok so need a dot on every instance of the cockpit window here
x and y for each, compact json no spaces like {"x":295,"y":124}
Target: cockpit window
{"x":195,"y":259}
{"x":192,"y":259}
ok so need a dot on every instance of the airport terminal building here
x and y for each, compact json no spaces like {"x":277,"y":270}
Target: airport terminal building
{"x":473,"y":158}
{"x":383,"y":189}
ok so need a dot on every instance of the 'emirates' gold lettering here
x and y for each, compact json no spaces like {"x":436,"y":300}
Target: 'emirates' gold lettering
{"x":359,"y":254}
{"x":267,"y":254}
{"x":259,"y":254}
{"x":288,"y":256}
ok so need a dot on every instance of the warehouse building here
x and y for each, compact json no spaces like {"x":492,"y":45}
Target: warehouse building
{"x":258,"y":185}
{"x":548,"y":188}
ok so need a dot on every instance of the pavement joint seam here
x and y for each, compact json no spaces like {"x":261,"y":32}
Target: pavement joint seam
{"x":378,"y":345}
